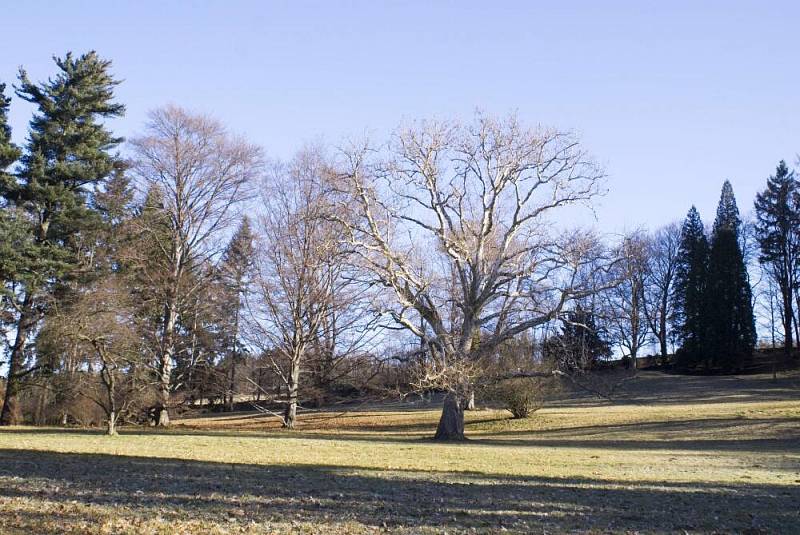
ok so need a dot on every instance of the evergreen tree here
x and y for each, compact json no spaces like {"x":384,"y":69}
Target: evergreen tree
{"x":689,"y":297}
{"x":237,"y":267}
{"x":732,"y":333}
{"x":68,"y":152}
{"x":11,"y":232}
{"x":581,"y":343}
{"x":9,"y":153}
{"x":778,"y":234}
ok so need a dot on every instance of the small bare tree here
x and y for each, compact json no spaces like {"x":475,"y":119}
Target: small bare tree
{"x":101,"y":323}
{"x":455,"y":221}
{"x":201,"y":174}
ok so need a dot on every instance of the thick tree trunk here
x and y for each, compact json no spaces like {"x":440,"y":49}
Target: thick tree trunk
{"x":162,"y":419}
{"x":12,"y":412}
{"x":290,"y":414}
{"x":635,"y":358}
{"x":451,"y":423}
{"x":469,"y":404}
{"x":112,"y":423}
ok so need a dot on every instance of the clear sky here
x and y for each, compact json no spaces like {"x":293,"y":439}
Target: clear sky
{"x":673,"y":97}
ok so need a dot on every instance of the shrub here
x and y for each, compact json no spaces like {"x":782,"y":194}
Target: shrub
{"x":521,"y":396}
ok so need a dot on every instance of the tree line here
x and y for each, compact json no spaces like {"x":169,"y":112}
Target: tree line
{"x":191,"y":271}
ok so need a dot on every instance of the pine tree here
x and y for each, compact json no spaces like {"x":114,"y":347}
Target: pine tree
{"x":581,"y":343}
{"x":68,"y":152}
{"x":689,"y":298}
{"x":237,"y":267}
{"x":9,"y":153}
{"x":778,"y":234}
{"x":732,"y":334}
{"x":11,"y":230}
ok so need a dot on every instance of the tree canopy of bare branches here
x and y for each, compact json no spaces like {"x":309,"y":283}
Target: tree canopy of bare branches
{"x":456,"y":221}
{"x":297,"y":270}
{"x":200,"y":173}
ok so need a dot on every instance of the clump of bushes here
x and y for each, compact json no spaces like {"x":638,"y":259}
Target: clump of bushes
{"x":521,"y":396}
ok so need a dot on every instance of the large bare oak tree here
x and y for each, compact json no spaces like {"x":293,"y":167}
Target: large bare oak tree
{"x":456,"y":221}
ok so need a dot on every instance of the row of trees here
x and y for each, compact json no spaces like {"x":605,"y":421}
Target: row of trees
{"x":428,"y":262}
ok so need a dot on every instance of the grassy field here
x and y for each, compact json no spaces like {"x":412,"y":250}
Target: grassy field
{"x":671,"y":454}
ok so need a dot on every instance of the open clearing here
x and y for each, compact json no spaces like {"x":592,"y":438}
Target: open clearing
{"x":672,"y":454}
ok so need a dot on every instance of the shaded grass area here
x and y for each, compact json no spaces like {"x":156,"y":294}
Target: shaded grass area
{"x":666,"y":466}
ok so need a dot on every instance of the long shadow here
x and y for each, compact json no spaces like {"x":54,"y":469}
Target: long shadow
{"x":243,"y":494}
{"x":680,"y":435}
{"x":664,"y":389}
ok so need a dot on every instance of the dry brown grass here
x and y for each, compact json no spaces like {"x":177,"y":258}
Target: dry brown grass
{"x":671,"y":454}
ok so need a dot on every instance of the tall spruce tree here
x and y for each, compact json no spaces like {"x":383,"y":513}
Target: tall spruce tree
{"x":778,"y":234}
{"x":732,"y":333}
{"x":690,"y":293}
{"x":68,"y":153}
{"x":237,"y":268}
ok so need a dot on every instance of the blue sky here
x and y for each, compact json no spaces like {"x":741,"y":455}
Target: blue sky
{"x":673,"y":97}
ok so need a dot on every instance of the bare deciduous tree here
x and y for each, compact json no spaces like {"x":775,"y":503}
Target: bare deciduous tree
{"x":663,"y":264}
{"x":201,"y":173}
{"x":625,"y":310}
{"x":101,"y":324}
{"x":455,"y":220}
{"x":296,"y":271}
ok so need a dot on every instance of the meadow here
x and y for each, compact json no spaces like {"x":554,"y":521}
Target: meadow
{"x":668,"y":454}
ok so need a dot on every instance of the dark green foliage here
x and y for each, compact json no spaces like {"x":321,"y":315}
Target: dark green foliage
{"x":14,"y":240}
{"x":9,"y":153}
{"x":778,"y":234}
{"x":689,"y":298}
{"x":731,"y":324}
{"x":581,"y":343}
{"x":67,"y":154}
{"x":67,"y":151}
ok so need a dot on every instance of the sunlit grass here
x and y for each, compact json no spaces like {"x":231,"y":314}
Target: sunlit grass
{"x":655,"y":466}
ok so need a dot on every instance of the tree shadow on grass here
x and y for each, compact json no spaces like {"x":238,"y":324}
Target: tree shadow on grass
{"x":242,"y":494}
{"x":757,"y":435}
{"x":711,"y":434}
{"x":654,"y":388}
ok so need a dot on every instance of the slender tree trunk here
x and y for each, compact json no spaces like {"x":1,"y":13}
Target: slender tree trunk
{"x":111,"y":388}
{"x":234,"y":356}
{"x":797,"y":323}
{"x":451,"y":423}
{"x":12,"y":412}
{"x":662,"y":327}
{"x":165,"y":374}
{"x":38,"y":417}
{"x":168,"y":334}
{"x":290,"y":414}
{"x":788,"y":314}
{"x":165,"y":366}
